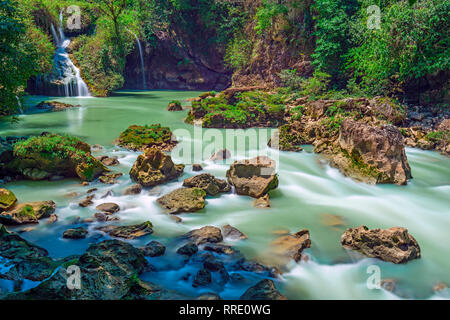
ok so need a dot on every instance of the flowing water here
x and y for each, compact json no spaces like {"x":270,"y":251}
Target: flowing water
{"x":311,"y":195}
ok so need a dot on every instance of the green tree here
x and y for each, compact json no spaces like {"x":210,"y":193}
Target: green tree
{"x":24,"y":52}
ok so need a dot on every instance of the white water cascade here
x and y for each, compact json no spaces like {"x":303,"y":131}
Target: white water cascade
{"x":144,"y":84}
{"x":65,"y":74}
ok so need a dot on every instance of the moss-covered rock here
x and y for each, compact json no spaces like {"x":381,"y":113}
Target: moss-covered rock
{"x":49,"y":155}
{"x":55,"y":106}
{"x":7,"y":199}
{"x":143,"y":137}
{"x":154,"y":167}
{"x":25,"y":213}
{"x":207,"y":182}
{"x":238,"y":109}
{"x":183,"y":200}
{"x":175,"y":106}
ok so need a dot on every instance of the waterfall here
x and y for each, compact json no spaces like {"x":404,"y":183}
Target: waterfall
{"x":19,"y":103}
{"x":144,"y":84}
{"x":65,"y":75}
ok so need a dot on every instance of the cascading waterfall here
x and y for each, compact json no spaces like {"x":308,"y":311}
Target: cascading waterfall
{"x":144,"y":84}
{"x":65,"y":75}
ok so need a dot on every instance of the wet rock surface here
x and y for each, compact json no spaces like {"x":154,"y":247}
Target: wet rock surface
{"x":153,"y":249}
{"x":129,"y":232}
{"x":154,"y":167}
{"x":78,"y":233}
{"x":291,"y":246}
{"x":208,"y":183}
{"x":254,"y":177}
{"x":263,"y":290}
{"x":183,"y":200}
{"x":393,"y":245}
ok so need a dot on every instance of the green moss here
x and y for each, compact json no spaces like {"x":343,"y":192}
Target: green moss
{"x":239,"y":110}
{"x":141,"y":136}
{"x":7,"y":199}
{"x":27,"y":211}
{"x":362,"y":167}
{"x":437,"y":136}
{"x":53,"y":146}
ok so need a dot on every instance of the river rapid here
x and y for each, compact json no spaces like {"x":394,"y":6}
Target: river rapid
{"x":311,"y":195}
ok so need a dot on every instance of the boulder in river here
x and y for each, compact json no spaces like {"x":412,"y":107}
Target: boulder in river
{"x":393,"y":245}
{"x":371,"y":154}
{"x":188,"y":249}
{"x":143,"y":137}
{"x":233,"y":233}
{"x":291,"y":246}
{"x":197,"y":167}
{"x":154,"y":167}
{"x":203,"y":235}
{"x":253,"y":177}
{"x":86,"y":202}
{"x":129,"y":232}
{"x":78,"y":233}
{"x":7,"y":199}
{"x":183,"y":200}
{"x":209,"y":183}
{"x":263,"y":290}
{"x":108,"y":207}
{"x":30,"y":212}
{"x":46,"y":156}
{"x":174,"y":106}
{"x":202,"y":278}
{"x":133,"y":190}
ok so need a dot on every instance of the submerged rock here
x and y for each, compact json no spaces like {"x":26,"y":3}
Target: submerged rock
{"x":263,"y":290}
{"x":55,"y":106}
{"x":29,"y":212}
{"x":254,"y":177}
{"x":25,"y":260}
{"x":203,"y":235}
{"x":209,"y":296}
{"x":7,"y":199}
{"x":129,"y":232}
{"x":154,"y":167}
{"x":291,"y":246}
{"x":78,"y":233}
{"x":393,"y":245}
{"x":183,"y":200}
{"x":202,"y":278}
{"x":209,"y":183}
{"x":153,"y":249}
{"x":132,"y":190}
{"x":143,"y":137}
{"x":188,"y":249}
